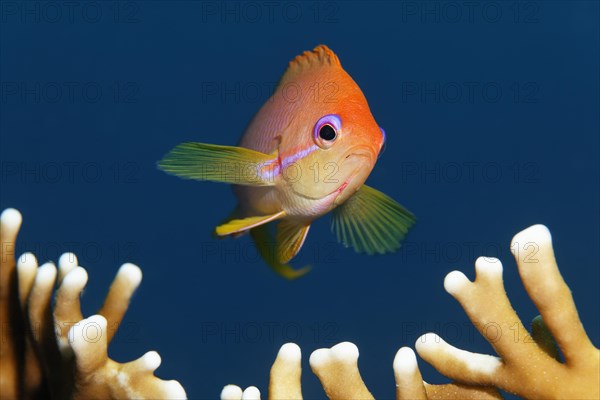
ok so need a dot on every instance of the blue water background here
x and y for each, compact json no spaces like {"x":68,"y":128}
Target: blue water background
{"x":492,"y":120}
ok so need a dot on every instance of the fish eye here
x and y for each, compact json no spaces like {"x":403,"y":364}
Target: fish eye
{"x":327,"y":130}
{"x":327,"y":133}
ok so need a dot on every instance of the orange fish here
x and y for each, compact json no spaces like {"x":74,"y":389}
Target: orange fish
{"x":307,"y":151}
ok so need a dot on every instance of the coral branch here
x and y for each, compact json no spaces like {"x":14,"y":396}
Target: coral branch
{"x":526,"y":368}
{"x":285,"y":378}
{"x":12,"y":323}
{"x":55,"y":353}
{"x":117,"y":301}
{"x":286,"y":373}
{"x":528,"y":364}
{"x":101,"y":378}
{"x":337,"y":369}
{"x":51,"y":352}
{"x":539,"y":272}
{"x":409,"y":383}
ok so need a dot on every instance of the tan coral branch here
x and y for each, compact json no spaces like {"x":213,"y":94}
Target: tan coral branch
{"x":54,"y":352}
{"x":527,"y":365}
{"x":410,"y":384}
{"x":99,"y":377}
{"x":524,"y":368}
{"x":286,"y":374}
{"x":12,"y":322}
{"x":337,"y":369}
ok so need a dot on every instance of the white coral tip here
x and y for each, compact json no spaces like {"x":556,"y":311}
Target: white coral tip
{"x":10,"y":221}
{"x":488,"y":266}
{"x":27,"y":262}
{"x":76,"y":279}
{"x":86,"y":332}
{"x":251,"y":393}
{"x":67,"y":262}
{"x":318,"y":358}
{"x":429,"y":341}
{"x":46,"y":274}
{"x":405,"y":361}
{"x":455,"y":282}
{"x":174,"y":390}
{"x":345,"y":352}
{"x":536,"y":234}
{"x":290,"y":352}
{"x":231,"y":392}
{"x":132,"y":273}
{"x":150,"y":361}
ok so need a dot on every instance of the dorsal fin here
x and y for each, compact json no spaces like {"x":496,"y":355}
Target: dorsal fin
{"x":320,"y":56}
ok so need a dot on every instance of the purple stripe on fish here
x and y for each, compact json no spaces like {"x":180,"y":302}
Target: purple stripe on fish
{"x":297,"y":156}
{"x":269,"y":174}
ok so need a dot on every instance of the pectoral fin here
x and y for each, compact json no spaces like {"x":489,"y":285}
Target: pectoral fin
{"x":371,"y":222}
{"x":229,"y":164}
{"x":266,"y":245}
{"x":290,"y":238}
{"x":241,"y":225}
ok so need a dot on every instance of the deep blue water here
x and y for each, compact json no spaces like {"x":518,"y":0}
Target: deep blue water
{"x":492,"y":119}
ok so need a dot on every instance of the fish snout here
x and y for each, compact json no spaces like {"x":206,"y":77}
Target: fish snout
{"x":362,"y":154}
{"x":358,"y":163}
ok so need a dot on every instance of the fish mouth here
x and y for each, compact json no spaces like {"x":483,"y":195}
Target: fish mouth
{"x":360,"y":154}
{"x":347,"y":189}
{"x":343,"y":189}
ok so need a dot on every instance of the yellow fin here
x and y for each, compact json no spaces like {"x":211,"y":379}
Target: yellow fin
{"x":371,"y":222}
{"x":240,"y":225}
{"x":321,"y":56}
{"x":265,"y":245}
{"x":290,"y":238}
{"x":229,"y":164}
{"x":235,"y":214}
